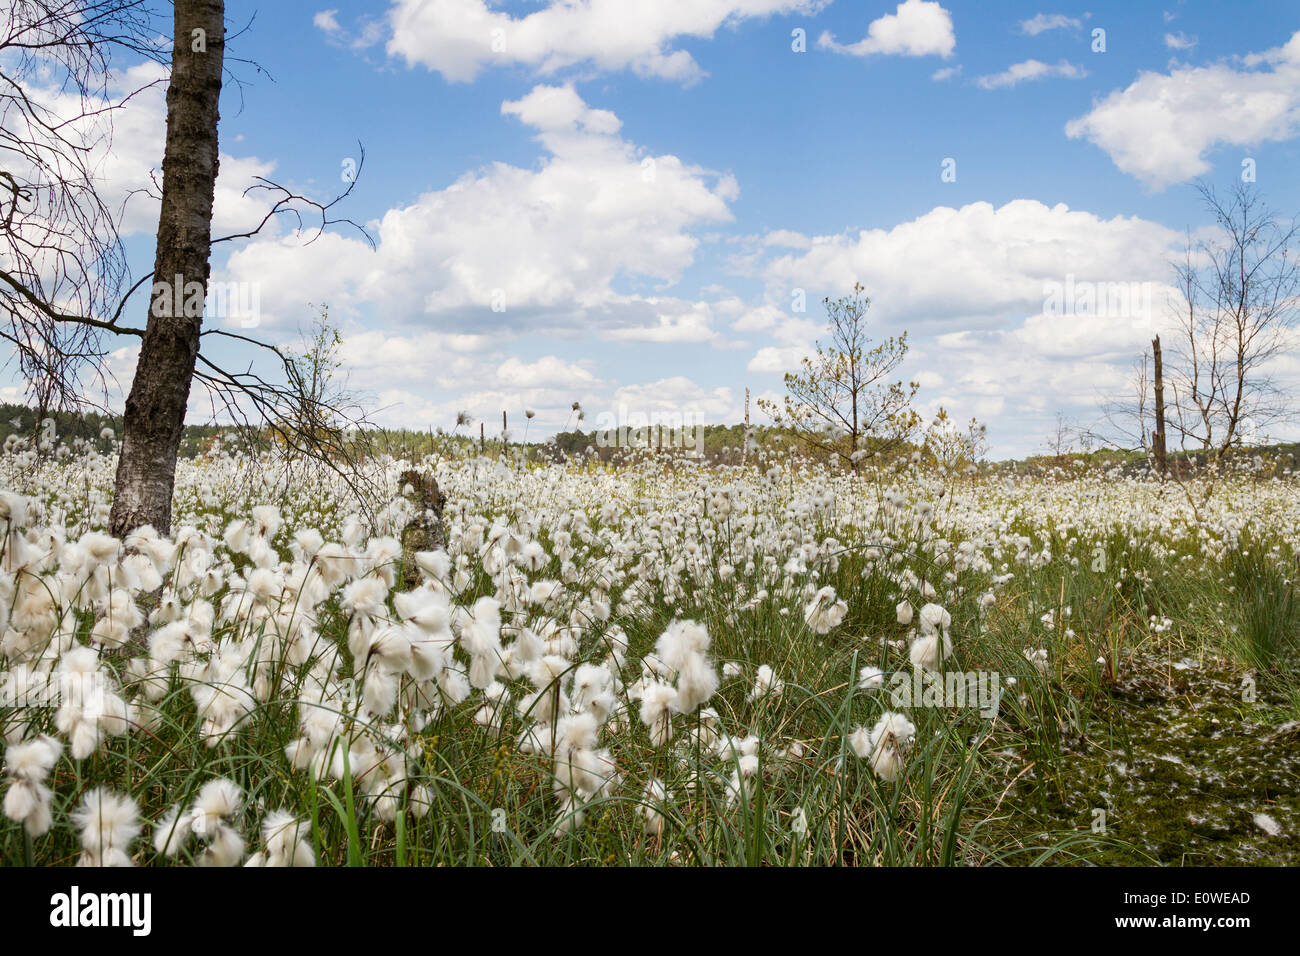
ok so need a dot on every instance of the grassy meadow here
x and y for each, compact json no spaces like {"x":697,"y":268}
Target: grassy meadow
{"x":650,"y":662}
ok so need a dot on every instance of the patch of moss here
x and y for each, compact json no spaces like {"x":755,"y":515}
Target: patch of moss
{"x":1188,"y":767}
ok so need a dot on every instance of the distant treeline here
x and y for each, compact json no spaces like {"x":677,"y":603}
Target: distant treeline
{"x":720,"y":443}
{"x":25,"y":422}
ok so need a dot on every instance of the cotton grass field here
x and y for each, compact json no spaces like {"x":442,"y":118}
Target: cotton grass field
{"x":656,"y":662}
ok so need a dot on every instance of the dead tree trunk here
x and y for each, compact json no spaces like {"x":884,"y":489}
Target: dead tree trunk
{"x":155,"y":408}
{"x":425,"y":531}
{"x":744,"y":455}
{"x":1158,"y":439}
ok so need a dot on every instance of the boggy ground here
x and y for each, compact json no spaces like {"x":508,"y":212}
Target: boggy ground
{"x":1182,"y":766}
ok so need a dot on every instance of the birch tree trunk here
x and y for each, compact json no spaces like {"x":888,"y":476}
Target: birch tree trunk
{"x":155,"y":408}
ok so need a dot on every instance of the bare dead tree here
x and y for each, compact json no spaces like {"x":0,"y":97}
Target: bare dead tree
{"x":1238,"y":305}
{"x":1215,"y":391}
{"x":1061,"y":440}
{"x":1159,"y":434}
{"x":64,"y":282}
{"x":62,"y":265}
{"x":1240,"y":290}
{"x":1124,"y":419}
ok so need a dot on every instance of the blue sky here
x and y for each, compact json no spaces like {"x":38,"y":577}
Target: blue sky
{"x":643,"y":187}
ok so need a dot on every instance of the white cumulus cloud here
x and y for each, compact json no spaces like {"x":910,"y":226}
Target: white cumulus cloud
{"x":326,"y":20}
{"x":973,"y":266}
{"x":1049,"y":21}
{"x":509,"y":247}
{"x":1160,"y":128}
{"x":460,"y":38}
{"x":1030,"y":70}
{"x":916,"y":28}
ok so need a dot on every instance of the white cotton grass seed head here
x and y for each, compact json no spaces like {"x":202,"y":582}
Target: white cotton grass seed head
{"x":887,"y":744}
{"x":436,"y":564}
{"x":390,"y":648}
{"x":225,"y":847}
{"x":697,"y":681}
{"x":904,"y":612}
{"x":171,"y":831}
{"x":107,"y":823}
{"x":27,"y":798}
{"x":658,"y":702}
{"x":217,"y":800}
{"x":306,"y":543}
{"x":653,"y":798}
{"x":928,"y":651}
{"x":871,"y":678}
{"x":286,"y":841}
{"x":825,"y":611}
{"x":766,"y":684}
{"x":934,"y":619}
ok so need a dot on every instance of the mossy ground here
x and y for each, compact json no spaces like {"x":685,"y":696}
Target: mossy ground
{"x":1181,"y":764}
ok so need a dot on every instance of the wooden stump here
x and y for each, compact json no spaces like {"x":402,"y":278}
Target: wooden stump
{"x":425,"y":531}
